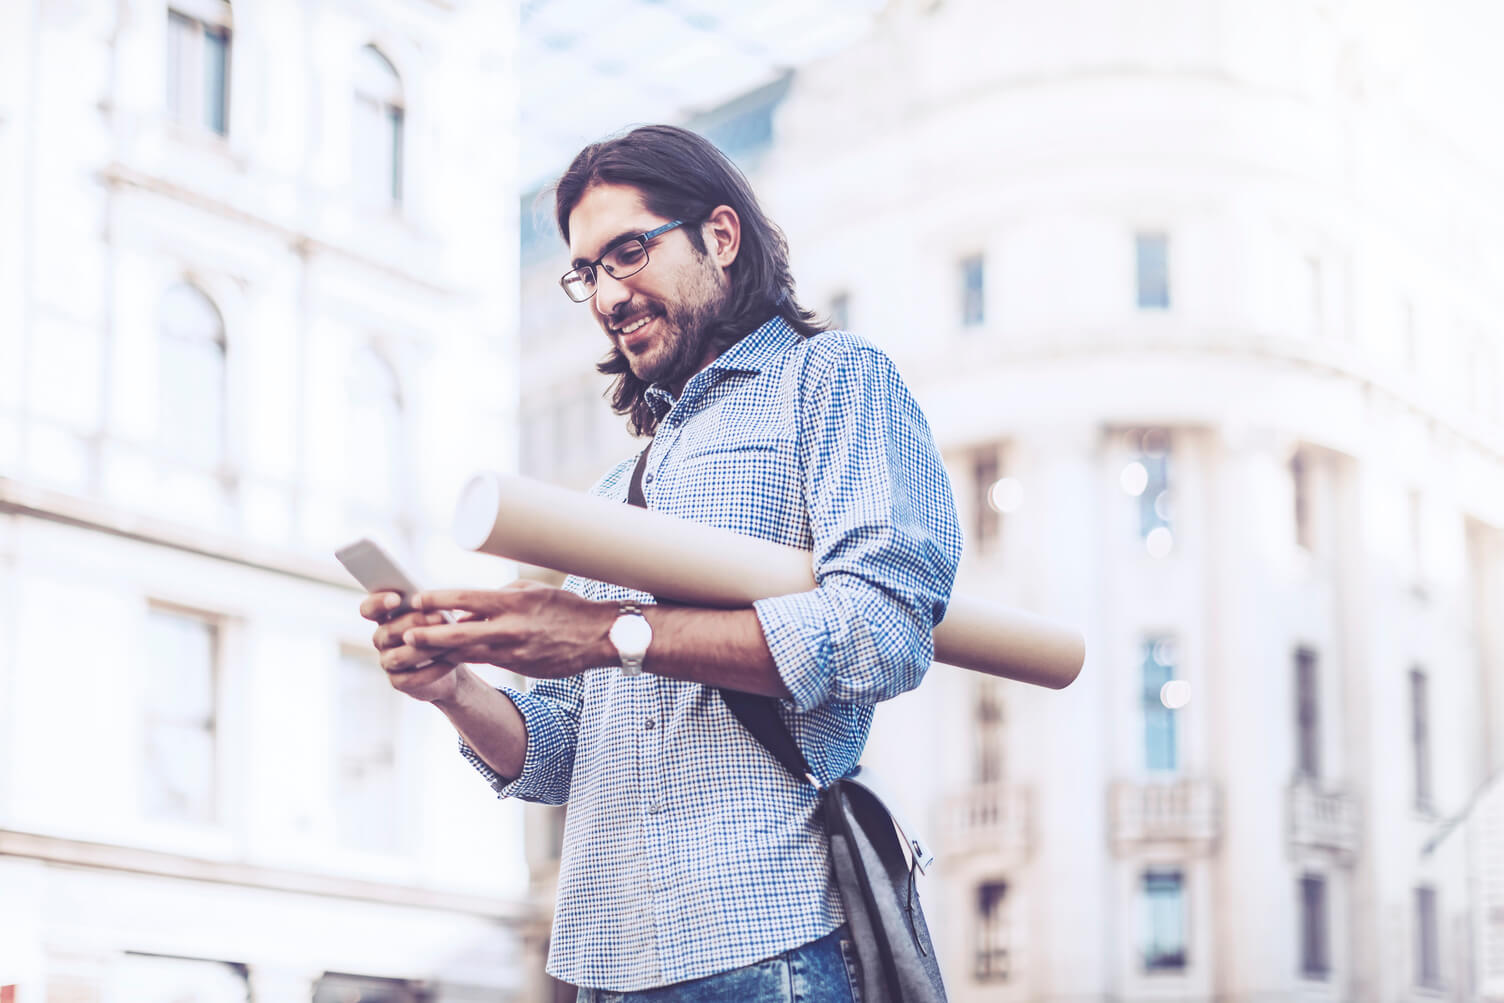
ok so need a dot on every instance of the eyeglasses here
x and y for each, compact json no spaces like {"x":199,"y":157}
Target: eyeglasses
{"x":626,"y":258}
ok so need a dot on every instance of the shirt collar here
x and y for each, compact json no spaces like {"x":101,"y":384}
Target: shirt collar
{"x":747,"y":355}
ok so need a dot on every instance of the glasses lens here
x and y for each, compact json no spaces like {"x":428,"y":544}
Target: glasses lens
{"x":579,"y":285}
{"x":626,"y":259}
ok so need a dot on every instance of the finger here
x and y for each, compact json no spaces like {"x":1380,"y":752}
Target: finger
{"x":485,"y":602}
{"x":454,"y":635}
{"x":389,"y":634}
{"x":379,"y":605}
{"x":405,"y":660}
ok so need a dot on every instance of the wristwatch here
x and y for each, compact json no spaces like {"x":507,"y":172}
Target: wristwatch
{"x":631,"y":635}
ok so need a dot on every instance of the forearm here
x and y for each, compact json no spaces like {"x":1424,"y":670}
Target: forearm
{"x":488,"y":721}
{"x":722,"y":648}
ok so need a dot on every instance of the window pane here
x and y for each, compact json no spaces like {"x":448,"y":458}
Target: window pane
{"x":182,"y":40}
{"x":1164,"y":921}
{"x":989,"y":730}
{"x":1427,"y":947}
{"x":992,"y":931}
{"x":973,"y":301}
{"x":1301,"y":490}
{"x":1160,"y":752}
{"x":395,"y":118}
{"x":1153,"y":253}
{"x":216,"y":79}
{"x":1154,"y":502}
{"x":191,"y":379}
{"x":1420,"y":739}
{"x":180,"y":717}
{"x":1308,"y":730}
{"x":1313,"y":930}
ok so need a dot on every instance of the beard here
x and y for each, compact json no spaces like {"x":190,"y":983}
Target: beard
{"x":681,"y":348}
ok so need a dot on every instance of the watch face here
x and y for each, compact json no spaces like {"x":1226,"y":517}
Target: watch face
{"x":631,"y":634}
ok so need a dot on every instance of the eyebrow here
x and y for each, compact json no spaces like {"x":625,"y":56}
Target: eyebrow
{"x":611,"y":245}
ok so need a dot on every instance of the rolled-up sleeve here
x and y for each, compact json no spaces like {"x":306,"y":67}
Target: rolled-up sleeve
{"x":551,"y":711}
{"x":886,"y":537}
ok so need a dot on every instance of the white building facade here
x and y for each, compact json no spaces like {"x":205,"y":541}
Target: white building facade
{"x":254,"y":304}
{"x":1203,"y":302}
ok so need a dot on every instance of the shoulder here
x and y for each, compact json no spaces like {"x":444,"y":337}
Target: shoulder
{"x":830,"y":352}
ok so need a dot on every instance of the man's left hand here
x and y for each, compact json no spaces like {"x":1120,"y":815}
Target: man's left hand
{"x":527,"y":627}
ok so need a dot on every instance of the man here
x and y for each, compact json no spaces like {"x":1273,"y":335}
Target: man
{"x":694,"y":866}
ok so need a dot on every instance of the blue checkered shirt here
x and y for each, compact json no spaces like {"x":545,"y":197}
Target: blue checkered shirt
{"x":688,"y":850}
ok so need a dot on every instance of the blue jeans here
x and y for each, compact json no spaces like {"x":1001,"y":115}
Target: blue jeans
{"x":822,"y":971}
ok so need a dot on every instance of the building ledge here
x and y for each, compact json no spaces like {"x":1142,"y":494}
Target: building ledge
{"x":986,"y":818}
{"x":109,"y":857}
{"x":1183,"y":810}
{"x":1322,"y":820}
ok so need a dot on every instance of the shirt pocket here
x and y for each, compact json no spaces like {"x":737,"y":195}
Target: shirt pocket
{"x":751,"y":485}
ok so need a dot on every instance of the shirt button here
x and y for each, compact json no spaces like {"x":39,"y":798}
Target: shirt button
{"x":648,"y":479}
{"x":649,"y":724}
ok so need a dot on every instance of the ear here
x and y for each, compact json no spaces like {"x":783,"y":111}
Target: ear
{"x":722,"y":230}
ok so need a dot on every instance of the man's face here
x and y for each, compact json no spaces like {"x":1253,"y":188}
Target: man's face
{"x":656,"y":316}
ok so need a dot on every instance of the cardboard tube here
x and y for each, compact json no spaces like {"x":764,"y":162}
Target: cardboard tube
{"x":580,"y":534}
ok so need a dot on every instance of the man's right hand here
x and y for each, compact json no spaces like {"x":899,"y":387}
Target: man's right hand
{"x":436,"y":681}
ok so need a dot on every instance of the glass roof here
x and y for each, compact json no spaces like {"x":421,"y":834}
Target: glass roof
{"x":592,"y":67}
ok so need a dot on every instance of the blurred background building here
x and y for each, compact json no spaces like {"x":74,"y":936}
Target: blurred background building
{"x":257,"y":286}
{"x":1202,"y":298}
{"x":1203,"y":301}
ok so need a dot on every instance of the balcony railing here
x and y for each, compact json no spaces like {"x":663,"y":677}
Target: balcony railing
{"x":986,"y":818}
{"x":1182,"y":810}
{"x":1323,"y":820}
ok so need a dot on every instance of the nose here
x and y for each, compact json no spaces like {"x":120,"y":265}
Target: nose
{"x":610,"y":292}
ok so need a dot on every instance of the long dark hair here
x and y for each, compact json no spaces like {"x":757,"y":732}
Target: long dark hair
{"x":681,"y":175}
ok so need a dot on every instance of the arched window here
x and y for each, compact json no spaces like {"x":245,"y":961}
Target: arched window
{"x":374,"y":433}
{"x":379,"y":114}
{"x":191,"y":379}
{"x":198,"y":63}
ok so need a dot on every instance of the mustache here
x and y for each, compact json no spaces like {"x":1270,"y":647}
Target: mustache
{"x":627,"y":311}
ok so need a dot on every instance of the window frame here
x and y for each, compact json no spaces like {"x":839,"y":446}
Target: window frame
{"x":187,"y":101}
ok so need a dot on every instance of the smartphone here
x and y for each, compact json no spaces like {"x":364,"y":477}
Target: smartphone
{"x":376,"y":571}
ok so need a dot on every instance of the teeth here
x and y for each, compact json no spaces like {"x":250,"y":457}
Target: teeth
{"x":635,"y":325}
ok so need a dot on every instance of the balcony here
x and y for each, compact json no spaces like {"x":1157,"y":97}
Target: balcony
{"x":986,"y":818}
{"x":1323,"y":820}
{"x":1179,"y":810}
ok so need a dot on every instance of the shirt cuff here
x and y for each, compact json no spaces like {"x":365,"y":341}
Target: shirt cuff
{"x":544,"y":737}
{"x":798,"y":636}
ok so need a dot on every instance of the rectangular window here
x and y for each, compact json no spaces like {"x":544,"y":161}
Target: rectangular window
{"x":989,"y":730}
{"x":1307,"y":715}
{"x":986,"y":470}
{"x":1314,"y":960}
{"x":973,"y":295}
{"x":1164,"y":921}
{"x":181,"y":718}
{"x":1153,"y":261}
{"x":992,"y":932}
{"x":1160,"y":752}
{"x":1148,"y":477}
{"x":367,"y":794}
{"x":1300,"y":485}
{"x":840,"y":311}
{"x":1427,"y":939}
{"x":1420,"y":738}
{"x":198,"y":66}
